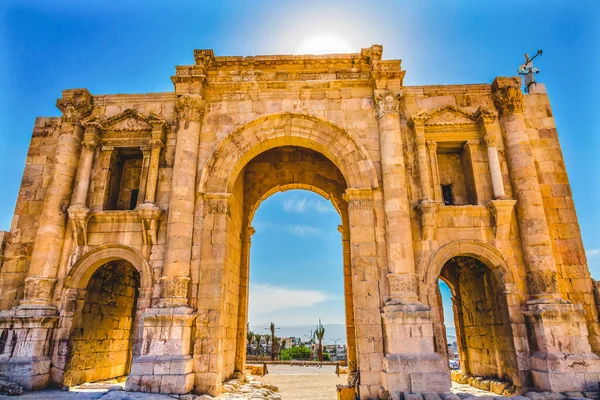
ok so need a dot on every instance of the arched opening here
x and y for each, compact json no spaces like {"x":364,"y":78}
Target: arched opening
{"x":479,"y":329}
{"x":101,"y":337}
{"x":271,"y":154}
{"x":296,"y":258}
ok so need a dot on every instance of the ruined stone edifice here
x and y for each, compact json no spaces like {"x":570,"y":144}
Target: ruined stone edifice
{"x":129,"y":248}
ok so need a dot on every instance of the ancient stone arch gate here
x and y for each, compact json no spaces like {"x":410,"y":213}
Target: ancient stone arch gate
{"x":132,"y":229}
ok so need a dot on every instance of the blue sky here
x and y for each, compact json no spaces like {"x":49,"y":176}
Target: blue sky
{"x":133,"y":46}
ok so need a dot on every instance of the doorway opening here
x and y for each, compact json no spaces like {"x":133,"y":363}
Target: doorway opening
{"x":101,"y":339}
{"x":477,"y":335}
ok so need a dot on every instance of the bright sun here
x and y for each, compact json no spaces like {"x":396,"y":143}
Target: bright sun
{"x":324,"y":45}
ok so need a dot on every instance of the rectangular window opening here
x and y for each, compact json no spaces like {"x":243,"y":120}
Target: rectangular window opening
{"x":134,"y":198}
{"x":447,"y":195}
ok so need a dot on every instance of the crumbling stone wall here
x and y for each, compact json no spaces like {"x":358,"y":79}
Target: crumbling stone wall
{"x":101,"y":340}
{"x":39,"y":165}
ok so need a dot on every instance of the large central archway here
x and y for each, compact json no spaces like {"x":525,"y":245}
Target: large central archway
{"x":272,"y":154}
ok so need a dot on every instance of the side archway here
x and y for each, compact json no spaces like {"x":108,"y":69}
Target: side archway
{"x":287,"y":129}
{"x":79,"y":276}
{"x":483,"y":252}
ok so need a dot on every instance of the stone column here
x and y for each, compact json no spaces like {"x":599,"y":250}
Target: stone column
{"x":535,"y":236}
{"x":435,"y":175}
{"x":43,"y":268}
{"x":402,"y":278}
{"x":470,"y":150}
{"x":101,"y":190}
{"x":84,"y":171}
{"x":152,"y":179}
{"x":176,"y":269}
{"x":146,"y":151}
{"x":79,"y":213}
{"x":485,"y":119}
{"x":422,"y":160}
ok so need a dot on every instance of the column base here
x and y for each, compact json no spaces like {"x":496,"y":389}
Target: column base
{"x":411,"y":363}
{"x":415,"y":373}
{"x":170,"y":374}
{"x":24,"y":359}
{"x":562,"y":358}
{"x":165,"y":365}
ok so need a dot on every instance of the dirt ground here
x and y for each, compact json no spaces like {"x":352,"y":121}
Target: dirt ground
{"x":311,"y":382}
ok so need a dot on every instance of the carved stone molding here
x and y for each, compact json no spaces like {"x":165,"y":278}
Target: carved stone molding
{"x":387,"y":102}
{"x":79,"y":216}
{"x":75,"y":105}
{"x":217,"y":203}
{"x":485,"y":115}
{"x":175,"y":288}
{"x":359,"y":199}
{"x":542,"y":282}
{"x":190,"y":108}
{"x":402,"y":284}
{"x":38,"y":290}
{"x":501,"y":211}
{"x":429,"y":211}
{"x":507,"y":95}
{"x":150,"y":216}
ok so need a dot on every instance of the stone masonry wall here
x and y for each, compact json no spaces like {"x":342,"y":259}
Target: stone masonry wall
{"x":101,"y":341}
{"x":574,"y":279}
{"x":32,"y":192}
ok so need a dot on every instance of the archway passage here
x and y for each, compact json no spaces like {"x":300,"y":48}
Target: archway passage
{"x":481,"y":319}
{"x":101,"y":337}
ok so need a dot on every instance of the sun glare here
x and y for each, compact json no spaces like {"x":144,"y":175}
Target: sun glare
{"x":325,"y":45}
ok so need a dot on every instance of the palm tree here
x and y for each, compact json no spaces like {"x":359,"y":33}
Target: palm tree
{"x":257,"y":340}
{"x":319,"y":333}
{"x":267,"y":340}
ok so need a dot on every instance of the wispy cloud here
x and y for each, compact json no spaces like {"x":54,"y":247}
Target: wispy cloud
{"x":265,"y":298}
{"x":301,"y":231}
{"x":592,"y":253}
{"x":301,"y":204}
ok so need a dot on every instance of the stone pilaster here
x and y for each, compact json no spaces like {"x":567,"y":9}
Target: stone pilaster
{"x":400,"y":253}
{"x":365,"y":288}
{"x":190,"y":111}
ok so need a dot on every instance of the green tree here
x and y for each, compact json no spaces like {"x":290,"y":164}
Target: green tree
{"x":267,"y":340}
{"x":320,"y":333}
{"x":257,"y":340}
{"x":295,"y":353}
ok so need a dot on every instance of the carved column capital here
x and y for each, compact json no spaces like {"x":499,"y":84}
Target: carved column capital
{"x":38,"y":290}
{"x":217,"y":203}
{"x":89,"y":145}
{"x":387,"y":102}
{"x":507,"y":95}
{"x":359,"y":199}
{"x":174,"y":290}
{"x":542,"y":282}
{"x":401,"y":284}
{"x":485,"y":116}
{"x":190,"y":108}
{"x":431,"y":145}
{"x":489,"y":139}
{"x":75,"y":105}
